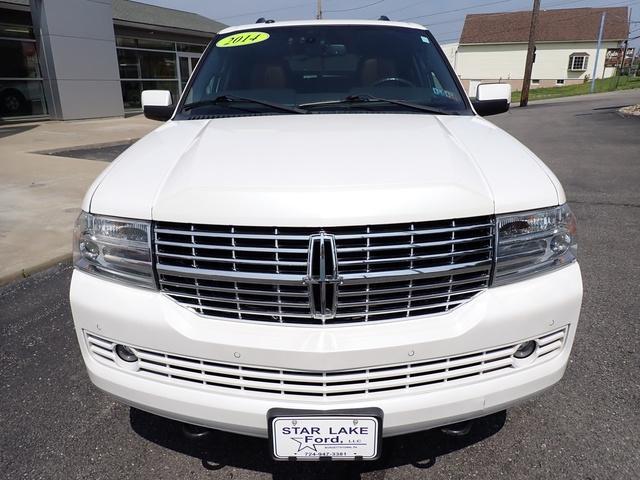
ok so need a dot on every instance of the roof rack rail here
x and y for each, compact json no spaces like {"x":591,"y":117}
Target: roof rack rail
{"x":264,"y":20}
{"x":384,"y":18}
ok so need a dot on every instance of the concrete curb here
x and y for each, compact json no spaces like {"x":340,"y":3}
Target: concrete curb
{"x":30,"y":270}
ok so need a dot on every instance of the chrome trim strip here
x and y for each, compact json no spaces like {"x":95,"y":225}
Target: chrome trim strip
{"x":275,"y":314}
{"x":402,"y":310}
{"x":258,"y":303}
{"x":388,"y":301}
{"x":414,"y":274}
{"x":414,"y":288}
{"x":226,"y":275}
{"x":231,"y":260}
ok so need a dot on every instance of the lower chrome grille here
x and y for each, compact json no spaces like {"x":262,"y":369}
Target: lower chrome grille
{"x":378,"y":272}
{"x":435,"y":373}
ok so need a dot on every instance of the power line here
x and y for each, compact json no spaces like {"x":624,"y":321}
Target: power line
{"x":299,"y":5}
{"x":459,"y":9}
{"x":450,"y":32}
{"x":447,"y":40}
{"x":355,"y":8}
{"x":405,"y":7}
{"x":291,"y":7}
{"x":565,"y":3}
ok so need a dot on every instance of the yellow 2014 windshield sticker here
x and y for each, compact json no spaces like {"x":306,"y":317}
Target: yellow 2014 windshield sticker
{"x":243,"y":39}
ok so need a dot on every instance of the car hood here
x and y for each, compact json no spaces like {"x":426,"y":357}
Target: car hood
{"x":323,"y":170}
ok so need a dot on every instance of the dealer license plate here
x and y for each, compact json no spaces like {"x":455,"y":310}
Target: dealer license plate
{"x":329,"y":435}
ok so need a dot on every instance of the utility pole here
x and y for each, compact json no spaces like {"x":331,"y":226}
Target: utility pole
{"x":595,"y":64}
{"x":626,"y":45}
{"x":624,"y":55}
{"x":528,"y":67}
{"x":319,"y":11}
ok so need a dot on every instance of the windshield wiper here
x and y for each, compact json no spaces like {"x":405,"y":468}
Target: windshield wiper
{"x":229,"y":100}
{"x":366,"y":98}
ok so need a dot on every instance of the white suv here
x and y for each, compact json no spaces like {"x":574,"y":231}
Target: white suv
{"x":324,"y":245}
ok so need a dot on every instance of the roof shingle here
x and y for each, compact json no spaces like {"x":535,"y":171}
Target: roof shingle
{"x":145,"y":14}
{"x":560,"y":25}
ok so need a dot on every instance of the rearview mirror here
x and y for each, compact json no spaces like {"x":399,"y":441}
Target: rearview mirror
{"x":492,"y":98}
{"x":157,"y":104}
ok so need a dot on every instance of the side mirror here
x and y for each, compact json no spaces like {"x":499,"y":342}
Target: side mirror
{"x":492,"y":98}
{"x":157,"y":104}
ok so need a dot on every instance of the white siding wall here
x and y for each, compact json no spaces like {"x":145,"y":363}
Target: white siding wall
{"x":506,"y":61}
{"x":450,"y":50}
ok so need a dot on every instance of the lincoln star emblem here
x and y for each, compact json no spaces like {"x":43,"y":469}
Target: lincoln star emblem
{"x":322,"y":276}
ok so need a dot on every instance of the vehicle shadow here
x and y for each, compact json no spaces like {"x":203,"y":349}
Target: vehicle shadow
{"x":219,"y":449}
{"x":7,"y":131}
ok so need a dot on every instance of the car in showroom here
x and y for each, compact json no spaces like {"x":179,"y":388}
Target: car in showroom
{"x":324,"y":244}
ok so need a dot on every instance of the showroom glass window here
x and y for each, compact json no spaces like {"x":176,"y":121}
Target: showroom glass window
{"x":21,"y":92}
{"x":153,"y":64}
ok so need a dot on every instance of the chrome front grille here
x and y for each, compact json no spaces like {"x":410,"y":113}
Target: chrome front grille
{"x":367,"y":273}
{"x":247,"y":379}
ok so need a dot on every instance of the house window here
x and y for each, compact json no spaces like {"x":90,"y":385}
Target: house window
{"x":578,"y":61}
{"x":535,"y":81}
{"x":560,"y":81}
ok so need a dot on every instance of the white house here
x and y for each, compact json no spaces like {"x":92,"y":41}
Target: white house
{"x":493,"y":46}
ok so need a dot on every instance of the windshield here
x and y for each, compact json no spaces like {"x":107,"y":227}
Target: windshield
{"x":302,"y":65}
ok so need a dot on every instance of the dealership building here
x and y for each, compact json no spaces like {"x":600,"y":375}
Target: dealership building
{"x":74,"y":59}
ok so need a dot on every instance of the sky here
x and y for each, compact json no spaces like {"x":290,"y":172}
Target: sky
{"x":444,"y":18}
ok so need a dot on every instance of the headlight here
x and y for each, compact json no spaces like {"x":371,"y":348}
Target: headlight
{"x":114,"y":248}
{"x":535,"y":242}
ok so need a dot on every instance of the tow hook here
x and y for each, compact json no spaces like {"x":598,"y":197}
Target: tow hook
{"x":459,"y":429}
{"x":194,"y":432}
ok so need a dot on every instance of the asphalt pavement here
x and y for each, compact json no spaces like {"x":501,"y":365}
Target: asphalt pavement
{"x":55,"y":425}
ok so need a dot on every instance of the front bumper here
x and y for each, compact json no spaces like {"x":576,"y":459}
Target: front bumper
{"x":500,"y":316}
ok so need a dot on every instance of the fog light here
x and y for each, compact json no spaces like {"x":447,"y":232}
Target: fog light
{"x":526,"y":349}
{"x":126,"y":353}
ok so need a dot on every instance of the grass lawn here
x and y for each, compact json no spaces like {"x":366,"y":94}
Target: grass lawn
{"x":604,"y":85}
